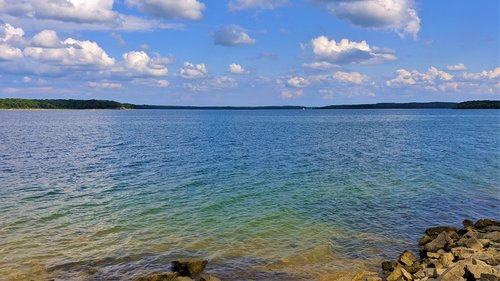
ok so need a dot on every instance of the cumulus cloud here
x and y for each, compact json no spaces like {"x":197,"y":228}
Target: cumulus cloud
{"x":298,"y":82}
{"x":291,"y":93}
{"x":46,"y":39}
{"x":190,"y":70}
{"x":456,"y":67}
{"x":238,"y":5}
{"x":350,"y":77}
{"x":9,"y":53}
{"x":232,"y":35}
{"x":151,"y":82}
{"x":64,"y":10}
{"x":72,"y":53}
{"x":485,"y":74}
{"x":10,"y":34}
{"x":345,"y":51}
{"x":141,"y":63}
{"x":398,"y":15}
{"x":431,"y":77}
{"x":170,"y":9}
{"x":237,"y":69}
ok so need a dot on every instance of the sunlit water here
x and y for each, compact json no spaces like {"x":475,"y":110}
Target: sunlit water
{"x":265,"y":195}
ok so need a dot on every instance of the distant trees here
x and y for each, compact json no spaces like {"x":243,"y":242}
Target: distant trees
{"x":61,"y":104}
{"x":478,"y":104}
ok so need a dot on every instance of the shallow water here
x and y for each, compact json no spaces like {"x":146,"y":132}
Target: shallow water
{"x":281,"y":195}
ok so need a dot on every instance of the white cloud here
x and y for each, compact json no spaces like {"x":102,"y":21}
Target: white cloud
{"x":456,"y":67}
{"x":150,"y":82}
{"x":46,"y":39}
{"x":140,"y":63}
{"x":190,"y":70}
{"x":298,"y":82}
{"x":170,"y":9}
{"x":80,"y":11}
{"x":320,"y":65}
{"x":232,"y":35}
{"x":72,"y":53}
{"x":346,"y":51}
{"x":291,"y":93}
{"x":217,"y":83}
{"x":397,"y":15}
{"x":10,"y":34}
{"x":238,"y":5}
{"x":431,"y":77}
{"x":237,"y":69}
{"x":9,"y":53}
{"x":485,"y":74}
{"x":104,"y":85}
{"x":350,"y":77}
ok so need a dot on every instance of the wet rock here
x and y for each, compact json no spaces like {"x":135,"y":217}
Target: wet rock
{"x":389,"y":266}
{"x":189,"y":267}
{"x":407,"y":258}
{"x":486,"y":222}
{"x":441,"y":241}
{"x":435,"y":231}
{"x":208,"y":277}
{"x":424,"y":240}
{"x":467,"y":223}
{"x":158,"y":276}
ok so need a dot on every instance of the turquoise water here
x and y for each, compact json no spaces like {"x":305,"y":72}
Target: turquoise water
{"x":265,"y":195}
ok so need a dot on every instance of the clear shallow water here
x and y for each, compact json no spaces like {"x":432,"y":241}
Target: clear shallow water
{"x":263,"y":194}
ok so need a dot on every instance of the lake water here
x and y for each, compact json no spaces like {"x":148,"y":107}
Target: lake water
{"x":264,"y":194}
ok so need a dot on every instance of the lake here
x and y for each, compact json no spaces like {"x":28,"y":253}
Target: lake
{"x":263,"y":194}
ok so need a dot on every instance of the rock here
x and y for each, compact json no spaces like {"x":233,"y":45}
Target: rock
{"x":189,"y":267}
{"x":477,"y":267}
{"x":414,"y":267}
{"x":489,"y":277}
{"x":424,"y":240}
{"x":462,"y":252}
{"x":183,"y":278}
{"x":454,"y":273}
{"x":487,"y":256}
{"x":406,"y":274}
{"x":435,"y":231}
{"x":441,"y":241}
{"x":396,"y":275}
{"x":158,"y":276}
{"x":208,"y":277}
{"x":433,"y":255}
{"x":446,"y":259}
{"x":389,"y":266}
{"x":467,"y":223}
{"x":373,"y":278}
{"x":407,"y":258}
{"x":492,"y":236}
{"x":486,"y":222}
{"x":473,"y":243}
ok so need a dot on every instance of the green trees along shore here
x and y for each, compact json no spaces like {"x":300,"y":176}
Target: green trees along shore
{"x":14,"y":103}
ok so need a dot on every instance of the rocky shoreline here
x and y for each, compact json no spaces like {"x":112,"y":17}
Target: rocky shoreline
{"x":450,"y":254}
{"x":182,"y":270}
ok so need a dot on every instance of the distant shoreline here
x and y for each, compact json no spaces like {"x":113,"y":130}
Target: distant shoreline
{"x":61,"y":104}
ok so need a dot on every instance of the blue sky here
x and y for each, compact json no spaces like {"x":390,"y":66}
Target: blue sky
{"x":250,"y":52}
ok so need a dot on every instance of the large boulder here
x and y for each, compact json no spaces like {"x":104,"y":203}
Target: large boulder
{"x":189,"y":267}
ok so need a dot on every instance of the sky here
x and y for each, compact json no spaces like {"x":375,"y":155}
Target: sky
{"x":250,"y":52}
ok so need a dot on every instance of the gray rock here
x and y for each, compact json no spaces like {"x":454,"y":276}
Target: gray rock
{"x":189,"y":267}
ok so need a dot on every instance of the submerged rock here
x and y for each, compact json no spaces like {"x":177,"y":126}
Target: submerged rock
{"x":189,"y":267}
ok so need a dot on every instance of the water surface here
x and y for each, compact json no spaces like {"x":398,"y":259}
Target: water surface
{"x":264,"y":194}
